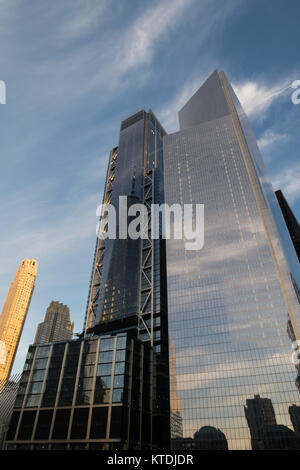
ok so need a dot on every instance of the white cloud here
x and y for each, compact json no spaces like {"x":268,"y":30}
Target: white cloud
{"x":256,"y":98}
{"x":84,"y":16}
{"x":137,"y":45}
{"x":270,"y":137}
{"x":288,"y":180}
{"x":105,"y":62}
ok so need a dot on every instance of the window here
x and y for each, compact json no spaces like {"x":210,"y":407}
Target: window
{"x":61,"y":424}
{"x":79,"y":425}
{"x":99,"y":423}
{"x":116,"y":422}
{"x":26,"y":427}
{"x":43,"y":424}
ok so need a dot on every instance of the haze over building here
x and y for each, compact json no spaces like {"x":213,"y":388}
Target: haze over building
{"x":56,"y":326}
{"x":14,"y":312}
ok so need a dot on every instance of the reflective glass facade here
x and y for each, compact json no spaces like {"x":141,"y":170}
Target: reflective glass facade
{"x":196,"y":344}
{"x":128,"y":285}
{"x":85,"y":394}
{"x":230,"y":304}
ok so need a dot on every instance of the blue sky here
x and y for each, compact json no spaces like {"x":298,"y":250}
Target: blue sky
{"x":74,"y":68}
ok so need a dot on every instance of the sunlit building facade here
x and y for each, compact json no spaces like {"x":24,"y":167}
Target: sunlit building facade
{"x":56,"y":326}
{"x":228,"y":303}
{"x":14,"y":313}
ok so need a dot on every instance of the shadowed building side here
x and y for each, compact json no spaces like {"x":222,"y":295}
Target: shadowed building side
{"x":290,"y":220}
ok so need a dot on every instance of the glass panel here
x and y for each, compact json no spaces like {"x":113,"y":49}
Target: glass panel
{"x":121,"y":343}
{"x":119,"y":381}
{"x":40,"y":363}
{"x":120,"y":368}
{"x":102,"y":390}
{"x":38,"y":375}
{"x":104,"y":369}
{"x":42,"y":351}
{"x":99,"y":423}
{"x":120,"y":355}
{"x":117,"y":395}
{"x":35,"y":387}
{"x":107,"y":344}
{"x":105,"y":357}
{"x":32,"y":400}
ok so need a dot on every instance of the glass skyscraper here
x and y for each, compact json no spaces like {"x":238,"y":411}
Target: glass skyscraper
{"x":230,"y":303}
{"x":109,"y":389}
{"x":182,"y":349}
{"x":128,"y":284}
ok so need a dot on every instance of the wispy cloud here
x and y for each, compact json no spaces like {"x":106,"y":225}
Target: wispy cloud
{"x":83,"y":17}
{"x":270,"y":138}
{"x":257,"y":98}
{"x":107,"y":62}
{"x":288,"y":179}
{"x":137,"y":46}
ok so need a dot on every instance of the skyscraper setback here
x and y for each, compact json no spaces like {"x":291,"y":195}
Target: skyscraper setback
{"x":176,"y":342}
{"x":14,"y":312}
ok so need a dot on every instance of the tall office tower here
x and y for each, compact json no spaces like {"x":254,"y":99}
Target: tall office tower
{"x":110,"y":388}
{"x":57,"y":325}
{"x":128,"y":284}
{"x":228,"y":303}
{"x":14,"y":312}
{"x":290,"y":220}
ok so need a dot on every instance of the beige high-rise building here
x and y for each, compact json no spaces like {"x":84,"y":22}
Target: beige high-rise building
{"x":14,"y":313}
{"x":57,"y":325}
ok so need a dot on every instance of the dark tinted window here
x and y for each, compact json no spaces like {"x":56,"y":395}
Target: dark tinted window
{"x":98,"y":425}
{"x":43,"y":424}
{"x":61,"y":424}
{"x":26,"y":425}
{"x":13,"y":425}
{"x":79,"y":424}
